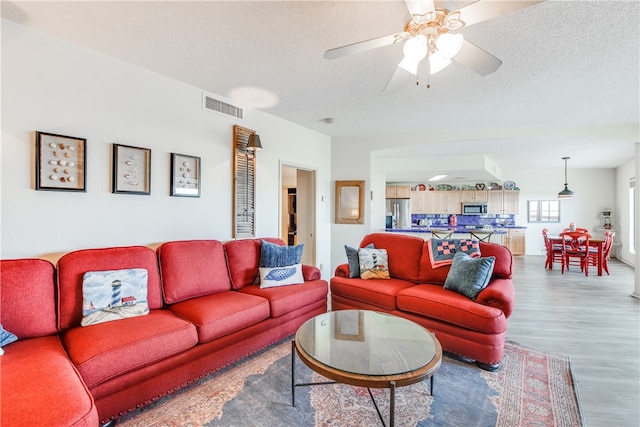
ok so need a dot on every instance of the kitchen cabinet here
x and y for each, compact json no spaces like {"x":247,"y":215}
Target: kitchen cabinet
{"x":514,"y":240}
{"x":445,"y":202}
{"x":420,"y":202}
{"x":510,"y":201}
{"x":474,"y":196}
{"x":503,"y":201}
{"x":398,"y":192}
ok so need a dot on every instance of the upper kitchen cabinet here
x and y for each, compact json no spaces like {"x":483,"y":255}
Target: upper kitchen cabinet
{"x":398,"y":192}
{"x":445,"y":202}
{"x":421,"y":202}
{"x":474,"y":196}
{"x":503,"y":201}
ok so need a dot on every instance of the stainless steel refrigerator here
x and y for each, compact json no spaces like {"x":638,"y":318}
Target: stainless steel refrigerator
{"x":400,"y":212}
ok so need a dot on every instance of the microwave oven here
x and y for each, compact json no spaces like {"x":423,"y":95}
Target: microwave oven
{"x":474,"y":208}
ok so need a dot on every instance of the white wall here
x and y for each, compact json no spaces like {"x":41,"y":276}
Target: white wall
{"x":624,"y":173}
{"x":53,"y":86}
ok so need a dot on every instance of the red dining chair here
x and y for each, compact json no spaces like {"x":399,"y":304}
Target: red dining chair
{"x":575,"y":250}
{"x":553,"y":251}
{"x":606,"y":251}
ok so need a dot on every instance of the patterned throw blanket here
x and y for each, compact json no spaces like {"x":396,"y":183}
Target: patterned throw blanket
{"x":442,"y":251}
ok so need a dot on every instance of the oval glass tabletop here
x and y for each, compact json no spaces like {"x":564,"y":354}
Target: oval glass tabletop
{"x":367,"y":342}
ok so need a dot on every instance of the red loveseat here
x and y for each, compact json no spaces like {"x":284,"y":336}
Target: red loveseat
{"x":205,"y":312}
{"x":472,"y":329}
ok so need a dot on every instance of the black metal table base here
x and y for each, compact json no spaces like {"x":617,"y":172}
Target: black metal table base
{"x":392,"y":390}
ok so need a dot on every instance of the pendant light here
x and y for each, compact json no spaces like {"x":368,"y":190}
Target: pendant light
{"x":566,"y":193}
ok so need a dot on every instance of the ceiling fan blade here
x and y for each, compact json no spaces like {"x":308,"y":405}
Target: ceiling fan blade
{"x":479,"y":60}
{"x":397,"y":79}
{"x":484,"y":10}
{"x":352,"y":49}
{"x":419,"y":7}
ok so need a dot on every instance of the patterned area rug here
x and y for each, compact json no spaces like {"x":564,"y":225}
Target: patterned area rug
{"x":531,"y":388}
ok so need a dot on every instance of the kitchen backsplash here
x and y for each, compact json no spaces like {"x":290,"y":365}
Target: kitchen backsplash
{"x":476,"y":220}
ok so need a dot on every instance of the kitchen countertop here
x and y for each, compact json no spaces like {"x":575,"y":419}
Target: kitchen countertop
{"x":457,"y":230}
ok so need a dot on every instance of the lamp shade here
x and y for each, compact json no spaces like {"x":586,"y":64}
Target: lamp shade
{"x":566,"y":193}
{"x":437,"y":62}
{"x":415,"y":49}
{"x":449,"y":44}
{"x":254,"y":143}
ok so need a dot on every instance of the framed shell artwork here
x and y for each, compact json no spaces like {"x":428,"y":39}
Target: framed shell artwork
{"x":60,"y":162}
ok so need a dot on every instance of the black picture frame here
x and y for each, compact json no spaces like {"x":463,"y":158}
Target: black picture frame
{"x":185,"y":175}
{"x":61,"y":162}
{"x":131,"y":172}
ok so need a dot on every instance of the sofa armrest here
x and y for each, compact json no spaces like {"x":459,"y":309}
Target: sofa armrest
{"x":310,"y":272}
{"x":342,"y":270}
{"x":499,"y":293}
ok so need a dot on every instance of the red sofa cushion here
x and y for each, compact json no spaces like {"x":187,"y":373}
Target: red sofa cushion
{"x":405,"y":253}
{"x":503,"y":268}
{"x":222,"y":313}
{"x":192,"y":269}
{"x":106,"y":350}
{"x":380,"y":292}
{"x":72,"y":266}
{"x":243,"y":258}
{"x":285,"y":299}
{"x":40,"y":386}
{"x":435,"y":302}
{"x":27,"y":314}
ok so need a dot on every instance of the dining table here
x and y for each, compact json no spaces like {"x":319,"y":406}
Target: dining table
{"x":593,"y":242}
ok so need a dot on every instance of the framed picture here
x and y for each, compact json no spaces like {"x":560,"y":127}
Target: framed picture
{"x":60,"y":162}
{"x":185,"y":175}
{"x":131,"y":170}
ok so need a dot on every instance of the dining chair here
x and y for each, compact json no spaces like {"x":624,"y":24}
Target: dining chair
{"x":553,"y":250}
{"x":606,"y":251}
{"x":575,"y":250}
{"x":575,"y":230}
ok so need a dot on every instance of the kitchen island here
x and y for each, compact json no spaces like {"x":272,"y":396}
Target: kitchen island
{"x":513,"y":237}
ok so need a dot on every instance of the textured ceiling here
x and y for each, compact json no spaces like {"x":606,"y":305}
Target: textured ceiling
{"x":566,"y":65}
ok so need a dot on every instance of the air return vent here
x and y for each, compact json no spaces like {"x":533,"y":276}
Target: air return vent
{"x":212,"y":104}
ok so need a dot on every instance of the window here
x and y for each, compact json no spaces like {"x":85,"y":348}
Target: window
{"x":543,"y":211}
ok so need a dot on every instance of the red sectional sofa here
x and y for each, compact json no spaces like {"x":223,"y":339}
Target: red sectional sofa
{"x":205,"y":311}
{"x":473,"y":329}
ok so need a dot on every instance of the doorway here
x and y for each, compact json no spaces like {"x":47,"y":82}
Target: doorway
{"x":298,"y":209}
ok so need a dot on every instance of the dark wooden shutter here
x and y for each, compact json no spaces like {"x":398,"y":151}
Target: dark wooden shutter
{"x":244,"y":188}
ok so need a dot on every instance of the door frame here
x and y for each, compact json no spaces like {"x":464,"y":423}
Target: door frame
{"x":306,"y":202}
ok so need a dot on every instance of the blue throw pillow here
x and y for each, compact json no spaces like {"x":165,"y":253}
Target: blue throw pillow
{"x":354,"y":260}
{"x":6,"y":337}
{"x":469,"y":276}
{"x":272,"y":255}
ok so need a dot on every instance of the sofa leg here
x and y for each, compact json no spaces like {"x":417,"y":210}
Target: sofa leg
{"x":491,"y":367}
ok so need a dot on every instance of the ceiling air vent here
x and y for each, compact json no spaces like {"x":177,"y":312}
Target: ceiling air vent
{"x":212,"y":104}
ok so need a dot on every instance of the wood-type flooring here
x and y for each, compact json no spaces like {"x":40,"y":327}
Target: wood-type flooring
{"x":593,"y":320}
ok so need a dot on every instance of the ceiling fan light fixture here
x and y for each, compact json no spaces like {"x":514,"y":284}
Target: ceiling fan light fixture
{"x":415,"y":49}
{"x":437,"y":62}
{"x":449,"y":44}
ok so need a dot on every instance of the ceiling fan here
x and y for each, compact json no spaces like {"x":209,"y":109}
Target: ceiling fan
{"x":429,"y":33}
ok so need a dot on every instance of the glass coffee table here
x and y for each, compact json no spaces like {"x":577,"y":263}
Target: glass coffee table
{"x":366,"y":349}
